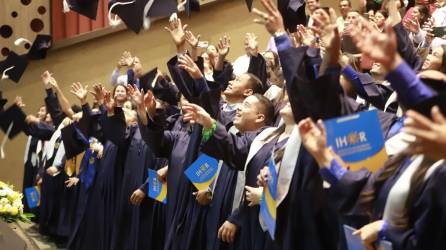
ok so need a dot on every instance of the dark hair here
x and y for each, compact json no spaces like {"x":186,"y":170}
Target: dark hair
{"x":424,"y":13}
{"x":255,"y":84}
{"x":385,"y":13}
{"x":76,"y":108}
{"x":266,"y":108}
{"x":367,"y":198}
{"x":349,"y":2}
{"x":116,"y":86}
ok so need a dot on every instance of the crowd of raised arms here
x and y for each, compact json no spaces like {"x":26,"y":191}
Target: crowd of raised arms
{"x":91,"y":160}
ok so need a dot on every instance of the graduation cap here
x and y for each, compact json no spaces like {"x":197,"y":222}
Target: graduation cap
{"x":12,"y":122}
{"x":40,"y":46}
{"x":162,"y":8}
{"x":130,"y":11}
{"x":70,"y":138}
{"x":293,"y":13}
{"x":88,"y":8}
{"x":13,"y":67}
{"x":146,"y":80}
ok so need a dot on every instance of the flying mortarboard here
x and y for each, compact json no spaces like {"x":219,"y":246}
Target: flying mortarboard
{"x":13,"y":67}
{"x":147,"y":79}
{"x":129,"y":11}
{"x":40,"y":46}
{"x":88,"y":8}
{"x":162,"y":8}
{"x":12,"y":122}
{"x":73,"y":146}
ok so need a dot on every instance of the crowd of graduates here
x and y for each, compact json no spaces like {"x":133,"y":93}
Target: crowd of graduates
{"x":91,"y":160}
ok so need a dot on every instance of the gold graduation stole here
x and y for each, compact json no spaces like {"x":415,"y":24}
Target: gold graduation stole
{"x":72,"y":166}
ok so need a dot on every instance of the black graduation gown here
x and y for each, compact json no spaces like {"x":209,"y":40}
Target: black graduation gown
{"x":131,"y":222}
{"x":39,"y":131}
{"x":426,"y":219}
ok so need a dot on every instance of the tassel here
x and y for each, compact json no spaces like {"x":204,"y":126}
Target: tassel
{"x":2,"y":152}
{"x":66,"y":7}
{"x":5,"y":76}
{"x":146,"y":22}
{"x":116,"y":21}
{"x":181,"y":7}
{"x":21,"y":41}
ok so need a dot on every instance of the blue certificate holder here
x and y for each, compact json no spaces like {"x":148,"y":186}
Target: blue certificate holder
{"x":268,"y":203}
{"x":157,"y":189}
{"x":32,"y":196}
{"x":202,"y":172}
{"x":354,"y":242}
{"x":358,"y":140}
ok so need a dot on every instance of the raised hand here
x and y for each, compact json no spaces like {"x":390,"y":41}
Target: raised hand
{"x":19,"y":102}
{"x":126,"y":59}
{"x":109,"y":102}
{"x":380,"y":47}
{"x":150,"y":103}
{"x":80,"y":92}
{"x":253,"y":195}
{"x":224,"y":45}
{"x":176,"y":30}
{"x":307,"y":37}
{"x":251,"y":44}
{"x":325,"y":26}
{"x":191,"y":39}
{"x":46,"y":78}
{"x":197,"y":114}
{"x":314,"y":139}
{"x":412,"y":25}
{"x":428,"y":26}
{"x":98,"y":93}
{"x":186,"y":63}
{"x":136,"y":95}
{"x":430,"y":135}
{"x":272,"y":19}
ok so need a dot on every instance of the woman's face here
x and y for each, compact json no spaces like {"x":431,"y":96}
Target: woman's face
{"x":41,"y":114}
{"x":434,"y":61}
{"x":120,"y":94}
{"x":416,"y":15}
{"x":212,"y":51}
{"x":380,"y":19}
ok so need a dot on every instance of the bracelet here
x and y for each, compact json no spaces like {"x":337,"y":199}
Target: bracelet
{"x":207,"y":133}
{"x":279,"y":33}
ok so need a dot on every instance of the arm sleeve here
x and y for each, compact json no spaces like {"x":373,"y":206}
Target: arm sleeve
{"x":114,"y":77}
{"x":411,"y":90}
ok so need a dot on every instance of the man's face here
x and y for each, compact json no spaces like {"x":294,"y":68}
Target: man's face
{"x":352,"y":16}
{"x":312,"y":5}
{"x":344,"y":7}
{"x":238,"y":86}
{"x":248,"y":114}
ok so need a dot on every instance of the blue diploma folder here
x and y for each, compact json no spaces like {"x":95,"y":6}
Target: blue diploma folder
{"x":202,"y":172}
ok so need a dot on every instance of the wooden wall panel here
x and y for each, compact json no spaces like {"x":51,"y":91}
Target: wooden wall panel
{"x":19,"y":16}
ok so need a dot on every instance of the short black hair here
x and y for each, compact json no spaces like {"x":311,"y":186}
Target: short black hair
{"x":266,"y":108}
{"x":255,"y":84}
{"x":76,"y":108}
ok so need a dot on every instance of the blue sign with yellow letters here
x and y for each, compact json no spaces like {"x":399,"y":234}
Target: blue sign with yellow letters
{"x":268,"y":204}
{"x":202,"y":172}
{"x":157,"y":189}
{"x":357,"y":139}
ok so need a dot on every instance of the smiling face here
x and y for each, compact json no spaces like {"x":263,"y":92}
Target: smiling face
{"x":248,"y":115}
{"x":42,"y":113}
{"x":238,"y":88}
{"x":312,"y":5}
{"x":379,"y":19}
{"x":120,"y":94}
{"x":434,"y":61}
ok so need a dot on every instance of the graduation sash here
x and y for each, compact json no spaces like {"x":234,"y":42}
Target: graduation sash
{"x":157,"y":189}
{"x":268,"y":208}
